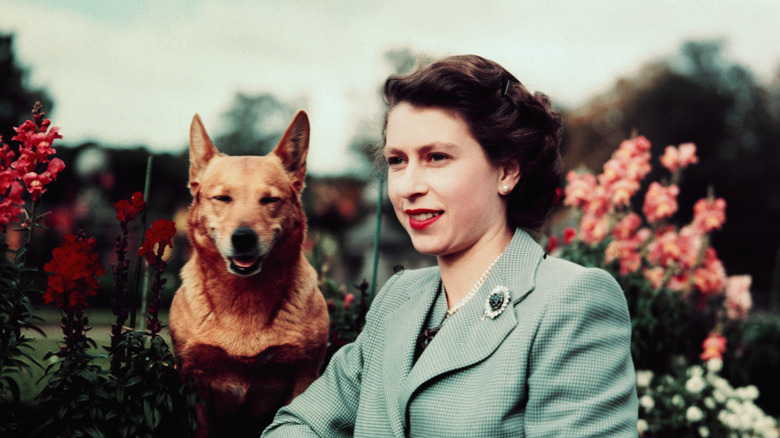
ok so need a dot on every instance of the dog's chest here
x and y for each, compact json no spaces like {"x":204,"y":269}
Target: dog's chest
{"x":275,"y":360}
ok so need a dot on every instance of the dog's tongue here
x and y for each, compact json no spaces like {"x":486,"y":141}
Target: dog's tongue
{"x":244,"y":262}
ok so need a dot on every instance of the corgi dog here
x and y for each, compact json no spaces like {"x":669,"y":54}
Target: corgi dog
{"x":248,"y":322}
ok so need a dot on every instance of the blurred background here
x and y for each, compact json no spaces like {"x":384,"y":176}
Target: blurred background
{"x":123,"y":79}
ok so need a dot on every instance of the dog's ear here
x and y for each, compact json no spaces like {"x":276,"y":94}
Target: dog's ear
{"x":293,"y":147}
{"x":202,"y":150}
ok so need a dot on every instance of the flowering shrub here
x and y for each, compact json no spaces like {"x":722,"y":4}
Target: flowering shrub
{"x":680,"y":298}
{"x":675,"y":284}
{"x":143,"y":395}
{"x":700,"y":403}
{"x":27,"y":170}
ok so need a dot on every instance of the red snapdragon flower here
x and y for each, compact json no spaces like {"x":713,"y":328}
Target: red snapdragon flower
{"x":34,"y":168}
{"x":159,"y":235}
{"x":126,"y":210}
{"x":73,"y":270}
{"x":569,"y":234}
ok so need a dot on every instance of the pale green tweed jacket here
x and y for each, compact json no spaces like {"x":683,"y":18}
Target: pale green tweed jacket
{"x":555,"y":363}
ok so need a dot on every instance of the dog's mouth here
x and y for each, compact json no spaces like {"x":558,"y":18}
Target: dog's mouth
{"x":245,"y":265}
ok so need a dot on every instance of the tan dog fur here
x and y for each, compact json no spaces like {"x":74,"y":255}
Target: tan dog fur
{"x":248,"y":321}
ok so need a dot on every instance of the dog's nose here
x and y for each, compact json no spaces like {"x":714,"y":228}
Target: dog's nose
{"x":244,"y":239}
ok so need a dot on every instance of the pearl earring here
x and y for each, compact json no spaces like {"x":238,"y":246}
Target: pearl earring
{"x":505,"y":188}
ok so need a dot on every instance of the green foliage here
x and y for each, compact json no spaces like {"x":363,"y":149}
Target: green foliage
{"x":144,"y":397}
{"x":347,"y":314}
{"x":17,"y":315}
{"x":754,"y":358}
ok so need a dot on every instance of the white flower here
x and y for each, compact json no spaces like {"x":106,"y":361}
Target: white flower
{"x":642,"y":425}
{"x":704,"y":432}
{"x":710,"y":403}
{"x":677,"y":400}
{"x":695,"y":371}
{"x":728,"y":419}
{"x":647,"y":402}
{"x":643,"y":378}
{"x":694,"y":414}
{"x":714,"y":365}
{"x":747,"y":393}
{"x":695,"y":384}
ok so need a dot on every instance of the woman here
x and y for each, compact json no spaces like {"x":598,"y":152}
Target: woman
{"x":499,"y":339}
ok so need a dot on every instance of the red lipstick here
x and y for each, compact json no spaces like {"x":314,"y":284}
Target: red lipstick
{"x":422,"y":224}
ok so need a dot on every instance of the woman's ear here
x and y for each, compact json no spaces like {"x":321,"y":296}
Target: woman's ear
{"x":510,"y":176}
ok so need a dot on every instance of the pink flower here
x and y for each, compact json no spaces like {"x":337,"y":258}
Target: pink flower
{"x":593,"y":228}
{"x":626,"y":252}
{"x":676,"y":159}
{"x":622,"y":191}
{"x":738,"y":298}
{"x":709,"y":279}
{"x":660,"y":202}
{"x":654,"y":276}
{"x":714,"y":347}
{"x":627,"y":226}
{"x":348,"y":298}
{"x":579,"y":188}
{"x":709,"y":214}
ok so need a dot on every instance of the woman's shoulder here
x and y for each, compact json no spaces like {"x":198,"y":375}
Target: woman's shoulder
{"x":401,"y":286}
{"x":564,"y":276}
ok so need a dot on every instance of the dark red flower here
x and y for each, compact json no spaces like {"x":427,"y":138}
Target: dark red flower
{"x":126,"y":210}
{"x":73,"y":270}
{"x":160,"y":234}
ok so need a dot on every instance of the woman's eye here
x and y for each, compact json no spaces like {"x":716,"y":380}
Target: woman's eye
{"x":394,"y":161}
{"x":438,"y":157}
{"x":222,"y":198}
{"x":269,"y":200}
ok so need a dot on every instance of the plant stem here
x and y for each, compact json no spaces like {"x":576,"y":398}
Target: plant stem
{"x":134,"y":299}
{"x":377,"y":231}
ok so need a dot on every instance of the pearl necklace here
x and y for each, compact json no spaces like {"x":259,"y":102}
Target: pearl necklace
{"x":451,"y":311}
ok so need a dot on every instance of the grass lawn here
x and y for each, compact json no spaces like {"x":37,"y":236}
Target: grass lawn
{"x":99,"y":319}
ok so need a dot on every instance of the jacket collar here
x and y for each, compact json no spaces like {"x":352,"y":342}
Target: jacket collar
{"x":465,"y":338}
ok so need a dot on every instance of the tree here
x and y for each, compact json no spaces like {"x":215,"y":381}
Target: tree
{"x":16,"y":98}
{"x":254,"y":124}
{"x":703,"y":98}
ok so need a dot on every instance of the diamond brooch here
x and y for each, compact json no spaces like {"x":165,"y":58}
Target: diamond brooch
{"x":496,"y":302}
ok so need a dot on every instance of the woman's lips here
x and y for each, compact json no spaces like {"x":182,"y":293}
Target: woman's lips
{"x":422,"y":219}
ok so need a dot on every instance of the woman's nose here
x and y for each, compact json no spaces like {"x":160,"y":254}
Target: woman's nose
{"x":411,"y":182}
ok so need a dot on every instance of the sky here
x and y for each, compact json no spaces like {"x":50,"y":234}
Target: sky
{"x":134,"y":72}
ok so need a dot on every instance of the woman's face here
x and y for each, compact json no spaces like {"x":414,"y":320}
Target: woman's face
{"x":444,"y":190}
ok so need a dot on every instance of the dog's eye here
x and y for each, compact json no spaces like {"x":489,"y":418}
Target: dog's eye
{"x":222,"y":198}
{"x":269,"y":200}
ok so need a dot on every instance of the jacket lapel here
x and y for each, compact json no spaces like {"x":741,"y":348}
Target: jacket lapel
{"x":401,"y":329}
{"x":466,"y":337}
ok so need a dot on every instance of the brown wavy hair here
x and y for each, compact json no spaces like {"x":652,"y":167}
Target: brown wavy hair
{"x":508,"y":121}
